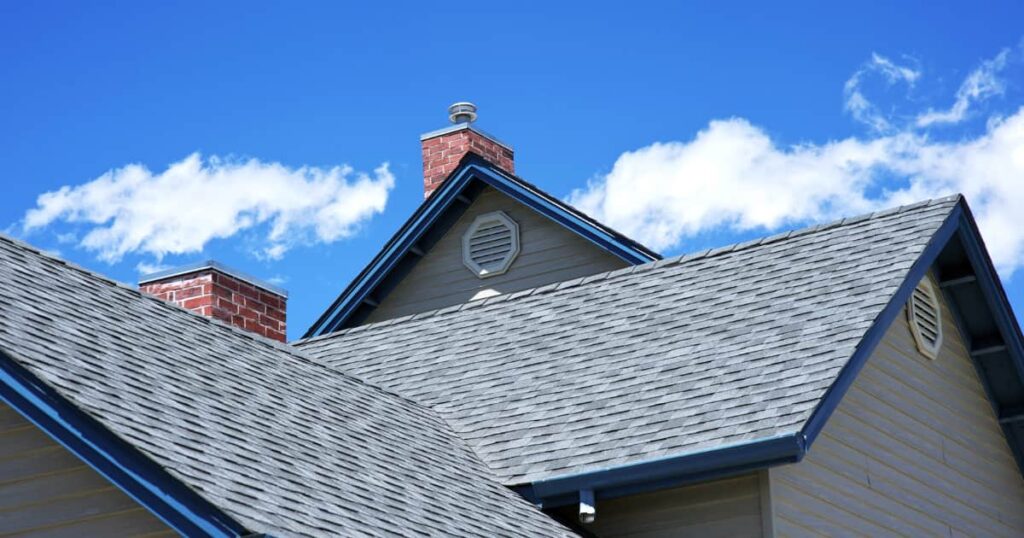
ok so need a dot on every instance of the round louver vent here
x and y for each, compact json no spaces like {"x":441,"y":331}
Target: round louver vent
{"x":925,"y":315}
{"x":490,"y":244}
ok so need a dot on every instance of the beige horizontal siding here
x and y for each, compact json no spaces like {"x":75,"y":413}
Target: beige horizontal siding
{"x":45,"y":491}
{"x":548,"y":253}
{"x":914,"y":449}
{"x":724,"y":508}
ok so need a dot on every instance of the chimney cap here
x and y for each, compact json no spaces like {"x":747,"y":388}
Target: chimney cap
{"x":462,"y":112}
{"x":216,"y":266}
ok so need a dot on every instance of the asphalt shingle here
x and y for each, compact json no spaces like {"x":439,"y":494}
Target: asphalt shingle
{"x":283,"y":444}
{"x":684,"y":354}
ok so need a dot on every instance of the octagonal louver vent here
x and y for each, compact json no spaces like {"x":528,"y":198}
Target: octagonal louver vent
{"x":925,"y":315}
{"x":491,"y":244}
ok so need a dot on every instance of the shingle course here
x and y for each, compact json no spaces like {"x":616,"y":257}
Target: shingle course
{"x":685,"y":354}
{"x":285,"y":445}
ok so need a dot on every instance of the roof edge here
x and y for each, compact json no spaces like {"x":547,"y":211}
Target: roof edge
{"x":666,"y":472}
{"x":118,"y":461}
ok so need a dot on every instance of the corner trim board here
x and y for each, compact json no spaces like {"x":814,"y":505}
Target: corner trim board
{"x":140,"y":478}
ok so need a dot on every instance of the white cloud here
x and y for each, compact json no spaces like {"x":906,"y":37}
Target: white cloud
{"x":145,"y":268}
{"x":858,"y":105}
{"x":732,"y":175}
{"x":177,"y":211}
{"x":979,"y":85}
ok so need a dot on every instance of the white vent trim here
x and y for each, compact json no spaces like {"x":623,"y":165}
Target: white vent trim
{"x":491,"y":244}
{"x":924,"y":312}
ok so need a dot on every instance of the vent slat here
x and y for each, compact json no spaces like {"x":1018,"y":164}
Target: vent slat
{"x":491,"y":231}
{"x":925,"y":317}
{"x":489,"y":260}
{"x":502,"y":248}
{"x":493,"y":240}
{"x":485,"y":228}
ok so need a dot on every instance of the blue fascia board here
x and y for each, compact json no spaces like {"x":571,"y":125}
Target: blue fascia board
{"x":873,"y":336}
{"x":424,"y":218}
{"x":122,"y":464}
{"x":670,"y":471}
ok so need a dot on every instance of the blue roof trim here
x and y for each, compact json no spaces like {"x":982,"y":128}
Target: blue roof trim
{"x":427,"y":215}
{"x":878,"y":328}
{"x":142,"y":479}
{"x":666,"y":472}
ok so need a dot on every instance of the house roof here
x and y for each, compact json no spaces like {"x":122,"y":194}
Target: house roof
{"x":719,"y":354}
{"x":221,"y":432}
{"x":437,"y":214}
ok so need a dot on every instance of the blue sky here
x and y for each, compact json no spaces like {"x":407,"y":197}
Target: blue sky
{"x":752,"y":117}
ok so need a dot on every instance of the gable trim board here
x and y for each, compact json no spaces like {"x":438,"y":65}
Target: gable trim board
{"x":440,"y":211}
{"x":118,"y":461}
{"x":725,"y":461}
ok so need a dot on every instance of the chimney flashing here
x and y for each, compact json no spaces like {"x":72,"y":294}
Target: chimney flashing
{"x":464,"y":127}
{"x":216,"y":266}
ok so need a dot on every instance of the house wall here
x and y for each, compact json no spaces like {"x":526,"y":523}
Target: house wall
{"x":45,"y":490}
{"x":548,"y":253}
{"x":913,"y":449}
{"x":723,"y":508}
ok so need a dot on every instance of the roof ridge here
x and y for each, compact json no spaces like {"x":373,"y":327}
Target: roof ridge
{"x":188,"y":314}
{"x":678,"y":259}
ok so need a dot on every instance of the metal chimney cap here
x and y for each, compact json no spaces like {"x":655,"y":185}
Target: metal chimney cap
{"x":462,"y":112}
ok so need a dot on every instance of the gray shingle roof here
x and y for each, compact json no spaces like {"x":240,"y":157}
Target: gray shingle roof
{"x":684,"y":354}
{"x":284,"y":445}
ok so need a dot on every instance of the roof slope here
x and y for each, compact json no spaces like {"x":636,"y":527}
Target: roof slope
{"x":681,"y":355}
{"x":282,"y":444}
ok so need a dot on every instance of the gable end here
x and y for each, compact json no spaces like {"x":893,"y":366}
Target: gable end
{"x":436,"y":216}
{"x":969,"y":284}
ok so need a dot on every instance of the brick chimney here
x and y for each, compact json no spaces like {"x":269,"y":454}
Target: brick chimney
{"x":213,"y":290}
{"x":444,"y":148}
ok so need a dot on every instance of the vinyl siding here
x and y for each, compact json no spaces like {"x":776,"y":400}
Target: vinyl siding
{"x":913,"y":449}
{"x":47,"y":491}
{"x":548,"y":253}
{"x":724,"y":508}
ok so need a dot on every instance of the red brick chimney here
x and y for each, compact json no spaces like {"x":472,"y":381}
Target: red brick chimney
{"x":216,"y":291}
{"x":444,"y":148}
